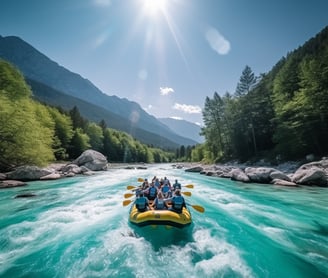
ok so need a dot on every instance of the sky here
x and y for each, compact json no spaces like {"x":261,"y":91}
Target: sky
{"x":166,"y":55}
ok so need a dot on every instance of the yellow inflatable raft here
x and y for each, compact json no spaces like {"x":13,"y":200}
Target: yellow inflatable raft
{"x":160,"y":217}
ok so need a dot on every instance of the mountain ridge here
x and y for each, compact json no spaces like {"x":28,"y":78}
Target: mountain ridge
{"x":184,"y":128}
{"x":38,"y":67}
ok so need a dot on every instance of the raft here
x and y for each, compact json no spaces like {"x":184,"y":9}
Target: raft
{"x":160,"y":217}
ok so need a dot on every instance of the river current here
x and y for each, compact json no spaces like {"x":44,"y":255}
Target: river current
{"x":78,"y":227}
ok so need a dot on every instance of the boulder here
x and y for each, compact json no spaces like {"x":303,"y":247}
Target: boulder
{"x":196,"y":169}
{"x":93,"y":160}
{"x":11,"y":183}
{"x":71,"y":169}
{"x":3,"y":176}
{"x":283,"y":182}
{"x":52,"y":176}
{"x":260,"y":174}
{"x":28,"y":173}
{"x":279,"y":175}
{"x":239,"y":175}
{"x":310,"y":176}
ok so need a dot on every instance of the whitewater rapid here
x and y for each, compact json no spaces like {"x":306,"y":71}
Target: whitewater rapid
{"x":78,"y":227}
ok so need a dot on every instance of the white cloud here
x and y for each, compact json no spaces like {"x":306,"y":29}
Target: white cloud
{"x":190,"y":109}
{"x":166,"y":91}
{"x":218,"y":43}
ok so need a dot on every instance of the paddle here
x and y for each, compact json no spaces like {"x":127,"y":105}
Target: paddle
{"x":126,"y":202}
{"x":197,"y":207}
{"x":130,"y":187}
{"x":186,"y":193}
{"x":128,"y":195}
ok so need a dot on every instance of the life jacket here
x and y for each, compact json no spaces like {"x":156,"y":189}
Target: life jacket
{"x":152,"y":192}
{"x":159,"y":203}
{"x":177,"y":186}
{"x":165,"y":188}
{"x":141,"y":203}
{"x":177,"y":203}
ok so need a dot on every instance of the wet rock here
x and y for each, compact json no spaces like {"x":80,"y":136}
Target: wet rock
{"x":11,"y":183}
{"x":283,"y":182}
{"x":195,"y":169}
{"x":25,"y":195}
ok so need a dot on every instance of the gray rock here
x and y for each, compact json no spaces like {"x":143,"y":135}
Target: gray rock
{"x":11,"y":183}
{"x":310,"y":175}
{"x":283,"y":182}
{"x":52,"y":176}
{"x":196,"y":169}
{"x":71,"y":168}
{"x":260,"y":174}
{"x":279,"y":175}
{"x":93,"y":160}
{"x":239,"y":175}
{"x":28,"y":173}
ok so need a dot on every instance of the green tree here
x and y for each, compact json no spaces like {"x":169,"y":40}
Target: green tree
{"x":26,"y":128}
{"x":79,"y":143}
{"x":246,"y":82}
{"x":63,"y":133}
{"x":96,"y":136}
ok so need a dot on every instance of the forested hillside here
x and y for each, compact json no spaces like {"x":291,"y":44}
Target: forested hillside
{"x":279,"y":115}
{"x":36,"y":134}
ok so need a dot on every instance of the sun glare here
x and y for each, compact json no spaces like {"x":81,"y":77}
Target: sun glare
{"x":153,"y":7}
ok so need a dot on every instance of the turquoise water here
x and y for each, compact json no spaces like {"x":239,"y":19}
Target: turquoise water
{"x":77,"y":227}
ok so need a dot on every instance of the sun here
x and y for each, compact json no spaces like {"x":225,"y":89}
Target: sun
{"x":154,"y":7}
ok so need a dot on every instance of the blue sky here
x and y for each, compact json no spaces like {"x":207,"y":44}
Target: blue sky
{"x":167,"y":55}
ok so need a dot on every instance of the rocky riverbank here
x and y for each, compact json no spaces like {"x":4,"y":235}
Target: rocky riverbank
{"x":86,"y":164}
{"x":287,"y":174}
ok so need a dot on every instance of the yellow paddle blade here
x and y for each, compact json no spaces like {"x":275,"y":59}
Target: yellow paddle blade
{"x":186,"y":193}
{"x":140,"y":180}
{"x":129,"y":187}
{"x":126,"y":202}
{"x":189,"y":186}
{"x":198,"y":208}
{"x":128,"y":195}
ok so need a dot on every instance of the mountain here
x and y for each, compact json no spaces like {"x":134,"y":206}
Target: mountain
{"x":184,"y":128}
{"x":125,"y":115}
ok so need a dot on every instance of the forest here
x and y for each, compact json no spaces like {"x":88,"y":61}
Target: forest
{"x":32,"y":133}
{"x":279,"y":116}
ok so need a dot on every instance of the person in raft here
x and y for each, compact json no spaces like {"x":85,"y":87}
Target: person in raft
{"x":178,"y":202}
{"x":151,"y":192}
{"x":159,"y":202}
{"x":142,"y":202}
{"x":176,"y":186}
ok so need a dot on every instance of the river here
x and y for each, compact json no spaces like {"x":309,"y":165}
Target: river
{"x":78,"y":227}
